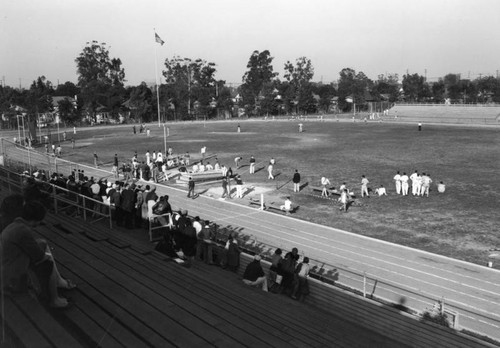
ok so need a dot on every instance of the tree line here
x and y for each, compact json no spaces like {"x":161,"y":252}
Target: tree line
{"x":191,"y":90}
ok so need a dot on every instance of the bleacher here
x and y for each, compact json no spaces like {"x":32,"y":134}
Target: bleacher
{"x":126,"y":297}
{"x":441,"y":113}
{"x":130,"y":295}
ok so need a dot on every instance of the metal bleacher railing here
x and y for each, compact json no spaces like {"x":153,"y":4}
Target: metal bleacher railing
{"x":461,"y":316}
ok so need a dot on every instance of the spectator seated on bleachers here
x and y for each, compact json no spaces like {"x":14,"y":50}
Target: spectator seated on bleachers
{"x":254,"y":274}
{"x":20,"y":252}
{"x":30,"y":189}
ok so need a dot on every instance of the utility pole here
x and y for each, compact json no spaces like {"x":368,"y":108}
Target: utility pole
{"x":189,"y":90}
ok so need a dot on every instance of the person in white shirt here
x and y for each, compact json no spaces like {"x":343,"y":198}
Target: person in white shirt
{"x":381,"y":191}
{"x":164,"y":170}
{"x":344,"y":200}
{"x":237,"y":161}
{"x":404,"y":184}
{"x":159,"y":157}
{"x":441,"y":187}
{"x":364,"y":186}
{"x":397,"y":181}
{"x":342,"y":187}
{"x":202,"y":167}
{"x":270,"y":171}
{"x":426,"y":183}
{"x":197,"y":225}
{"x":414,"y":184}
{"x":287,"y":206}
{"x":203,"y":151}
{"x":209,"y":166}
{"x":325,"y":182}
{"x":419,"y":184}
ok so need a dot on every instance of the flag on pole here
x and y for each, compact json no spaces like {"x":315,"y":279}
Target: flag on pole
{"x":158,"y":39}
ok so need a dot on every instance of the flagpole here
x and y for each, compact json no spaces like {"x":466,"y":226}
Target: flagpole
{"x":156,"y":77}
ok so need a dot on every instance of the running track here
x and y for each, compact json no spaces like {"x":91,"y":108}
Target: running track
{"x":469,"y":289}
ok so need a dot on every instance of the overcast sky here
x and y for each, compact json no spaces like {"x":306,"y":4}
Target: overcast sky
{"x":43,"y":37}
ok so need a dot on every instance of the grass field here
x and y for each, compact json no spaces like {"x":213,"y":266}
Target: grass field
{"x":461,"y":223}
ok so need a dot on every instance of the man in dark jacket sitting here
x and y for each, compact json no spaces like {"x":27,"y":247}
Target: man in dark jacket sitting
{"x":254,"y":274}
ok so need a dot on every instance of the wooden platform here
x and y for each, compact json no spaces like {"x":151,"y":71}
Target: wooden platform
{"x":127,"y":296}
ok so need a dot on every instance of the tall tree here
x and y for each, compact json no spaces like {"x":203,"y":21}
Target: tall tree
{"x":299,"y":76}
{"x":141,"y":103}
{"x":99,"y":76}
{"x":488,"y":89}
{"x":452,"y":86}
{"x":415,"y":88}
{"x":352,"y":85}
{"x":68,"y":89}
{"x":326,"y":93}
{"x":438,"y":91}
{"x":260,"y":72}
{"x":67,"y":111}
{"x":387,"y":84}
{"x":39,"y":99}
{"x":191,"y":81}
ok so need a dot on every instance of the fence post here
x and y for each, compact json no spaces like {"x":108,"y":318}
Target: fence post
{"x":364,"y":284}
{"x":55,"y":197}
{"x":261,"y":201}
{"x":84,"y":209}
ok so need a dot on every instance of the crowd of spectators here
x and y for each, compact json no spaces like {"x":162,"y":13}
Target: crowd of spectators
{"x":187,"y":238}
{"x":286,"y":275}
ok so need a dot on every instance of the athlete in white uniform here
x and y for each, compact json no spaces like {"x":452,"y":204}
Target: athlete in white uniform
{"x":404,"y":184}
{"x":397,"y":181}
{"x":413,"y":179}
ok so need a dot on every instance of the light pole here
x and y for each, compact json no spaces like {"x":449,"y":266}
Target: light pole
{"x":19,"y":129}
